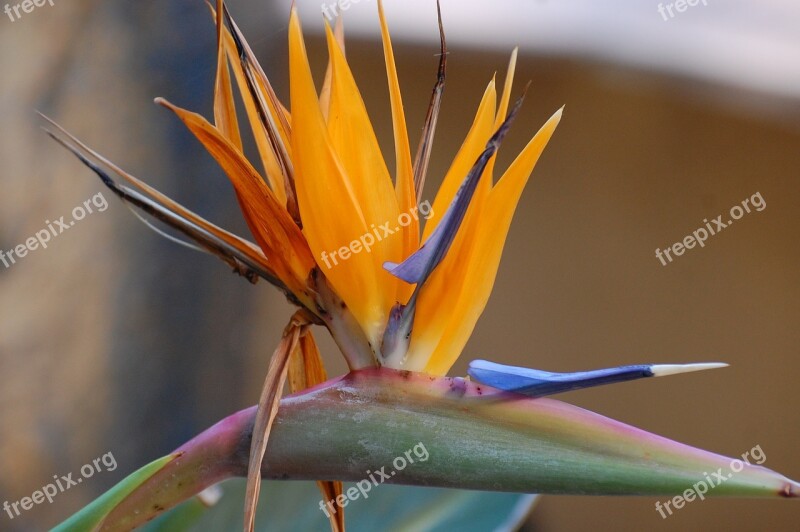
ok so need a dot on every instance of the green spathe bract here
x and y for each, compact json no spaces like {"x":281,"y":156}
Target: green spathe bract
{"x":477,"y":438}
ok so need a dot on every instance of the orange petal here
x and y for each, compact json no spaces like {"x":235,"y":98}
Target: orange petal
{"x":224,"y":105}
{"x":489,"y":241}
{"x":358,"y":151}
{"x":430,"y":321}
{"x":270,"y":116}
{"x":270,"y":223}
{"x":404,"y":173}
{"x":329,"y":204}
{"x":325,"y":92}
{"x":475,"y":142}
{"x":305,"y":366}
{"x":269,"y":159}
{"x":225,"y":111}
{"x":502,"y":110}
{"x":232,"y":248}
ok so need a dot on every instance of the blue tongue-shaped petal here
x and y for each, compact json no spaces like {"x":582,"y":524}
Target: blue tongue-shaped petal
{"x":538,"y":383}
{"x":419,"y":265}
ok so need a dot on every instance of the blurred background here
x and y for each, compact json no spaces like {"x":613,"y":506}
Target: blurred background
{"x":115,"y":340}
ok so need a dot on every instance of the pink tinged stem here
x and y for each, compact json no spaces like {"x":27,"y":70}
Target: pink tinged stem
{"x":506,"y":442}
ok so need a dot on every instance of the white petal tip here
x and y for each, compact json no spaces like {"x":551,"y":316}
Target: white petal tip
{"x":662,"y":370}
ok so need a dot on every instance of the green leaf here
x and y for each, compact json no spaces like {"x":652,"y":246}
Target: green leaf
{"x":295,"y":505}
{"x":93,"y":514}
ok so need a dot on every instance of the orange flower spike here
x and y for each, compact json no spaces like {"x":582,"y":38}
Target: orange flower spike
{"x":270,"y":223}
{"x":357,"y":148}
{"x":404,"y":173}
{"x":489,"y":240}
{"x":329,"y":206}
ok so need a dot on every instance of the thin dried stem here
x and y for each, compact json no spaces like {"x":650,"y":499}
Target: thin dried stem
{"x":423,"y":155}
{"x":268,"y":408}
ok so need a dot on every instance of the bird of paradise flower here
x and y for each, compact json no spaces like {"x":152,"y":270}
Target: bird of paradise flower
{"x":411,"y":304}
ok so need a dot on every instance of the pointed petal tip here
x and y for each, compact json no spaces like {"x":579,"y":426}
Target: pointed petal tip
{"x":552,"y":122}
{"x":662,"y":370}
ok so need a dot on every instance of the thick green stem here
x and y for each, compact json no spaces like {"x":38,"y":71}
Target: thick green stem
{"x":476,"y":438}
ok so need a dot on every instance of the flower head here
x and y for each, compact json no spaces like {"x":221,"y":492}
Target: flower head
{"x":335,"y":230}
{"x":327,"y":208}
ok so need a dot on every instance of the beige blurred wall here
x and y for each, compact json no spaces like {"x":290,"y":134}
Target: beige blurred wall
{"x":112,"y":340}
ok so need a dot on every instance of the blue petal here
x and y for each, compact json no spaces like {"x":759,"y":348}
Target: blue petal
{"x":537,"y":383}
{"x":419,"y":265}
